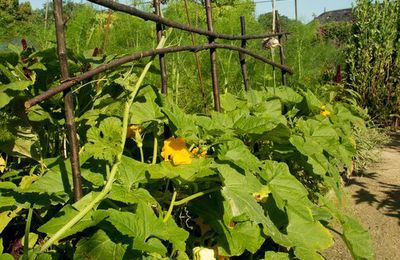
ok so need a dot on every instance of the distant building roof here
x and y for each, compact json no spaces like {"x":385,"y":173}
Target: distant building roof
{"x":343,"y":15}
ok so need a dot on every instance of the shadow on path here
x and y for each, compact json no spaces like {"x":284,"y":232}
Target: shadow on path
{"x":380,"y":187}
{"x":395,"y":142}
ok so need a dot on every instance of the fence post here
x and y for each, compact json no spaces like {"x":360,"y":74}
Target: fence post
{"x":281,"y":51}
{"x":213,"y":58}
{"x":242,"y":56}
{"x":163,"y":67}
{"x":68,"y":101}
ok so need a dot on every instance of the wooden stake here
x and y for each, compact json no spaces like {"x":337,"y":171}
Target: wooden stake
{"x":140,"y":55}
{"x":242,"y":56}
{"x":213,"y":58}
{"x":68,"y":101}
{"x":163,"y":67}
{"x":281,"y":51}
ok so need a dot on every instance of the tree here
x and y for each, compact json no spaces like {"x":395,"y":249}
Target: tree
{"x":266,"y":21}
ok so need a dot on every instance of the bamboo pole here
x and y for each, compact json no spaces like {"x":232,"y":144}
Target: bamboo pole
{"x":137,"y":56}
{"x":213,"y":58}
{"x":155,"y":18}
{"x":163,"y":67}
{"x":281,"y":50}
{"x":68,"y":101}
{"x":242,"y":56}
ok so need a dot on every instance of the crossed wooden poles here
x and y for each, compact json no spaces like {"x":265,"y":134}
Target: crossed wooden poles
{"x":67,"y":82}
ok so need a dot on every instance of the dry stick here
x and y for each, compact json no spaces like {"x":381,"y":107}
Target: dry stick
{"x":196,"y":56}
{"x":129,"y":58}
{"x":213,"y":58}
{"x":106,"y":32}
{"x":163,"y":67}
{"x":155,"y":18}
{"x":274,"y":31}
{"x":68,"y":101}
{"x":242,"y":57}
{"x":281,"y":51}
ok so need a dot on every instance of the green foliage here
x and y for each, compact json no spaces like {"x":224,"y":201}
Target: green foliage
{"x":271,"y":158}
{"x":338,"y":32}
{"x":373,"y":62}
{"x":265,"y":21}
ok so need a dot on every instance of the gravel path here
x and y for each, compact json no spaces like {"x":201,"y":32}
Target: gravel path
{"x":374,"y":198}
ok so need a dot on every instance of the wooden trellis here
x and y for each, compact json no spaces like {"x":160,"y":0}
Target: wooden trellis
{"x":67,"y":82}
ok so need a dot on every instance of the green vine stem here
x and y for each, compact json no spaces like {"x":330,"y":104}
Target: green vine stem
{"x":155,"y":148}
{"x":185,"y":200}
{"x":171,"y":206}
{"x":27,"y":230}
{"x":195,"y":196}
{"x":114,"y":169}
{"x":141,"y":154}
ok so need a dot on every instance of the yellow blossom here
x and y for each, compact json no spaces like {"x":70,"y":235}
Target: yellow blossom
{"x":196,"y":152}
{"x":175,"y":149}
{"x":261,"y":195}
{"x":203,"y":154}
{"x":324,"y":111}
{"x":133,"y":130}
{"x":2,"y":164}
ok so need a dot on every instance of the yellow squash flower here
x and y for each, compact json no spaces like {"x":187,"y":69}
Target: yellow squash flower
{"x":2,"y":164}
{"x":175,"y":149}
{"x":262,"y":195}
{"x":324,"y":111}
{"x":133,"y":130}
{"x":196,"y":152}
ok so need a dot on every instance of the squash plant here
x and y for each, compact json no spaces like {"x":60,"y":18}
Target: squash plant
{"x":250,"y":182}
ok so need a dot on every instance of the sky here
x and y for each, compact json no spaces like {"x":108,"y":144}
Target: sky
{"x":306,"y":8}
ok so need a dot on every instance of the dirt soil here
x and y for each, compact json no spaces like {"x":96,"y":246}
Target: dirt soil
{"x":374,"y":198}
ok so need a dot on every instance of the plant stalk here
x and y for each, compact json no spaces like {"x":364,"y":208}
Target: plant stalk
{"x":26,"y":237}
{"x":114,"y":169}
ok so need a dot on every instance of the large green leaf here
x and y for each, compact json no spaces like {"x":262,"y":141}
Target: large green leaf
{"x":238,"y":153}
{"x":144,"y":225}
{"x":270,"y":255}
{"x":8,"y":91}
{"x":285,"y":187}
{"x":145,"y":108}
{"x":183,"y":124}
{"x":65,"y":215}
{"x":233,"y":238}
{"x":286,"y":94}
{"x":239,"y":194}
{"x":131,"y":172}
{"x":99,"y":246}
{"x":140,"y":195}
{"x":307,"y":234}
{"x":231,"y":102}
{"x":104,"y":142}
{"x":58,"y":177}
{"x":357,"y":239}
{"x":199,"y":168}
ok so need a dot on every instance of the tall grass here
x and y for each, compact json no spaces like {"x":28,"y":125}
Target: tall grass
{"x":373,"y":65}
